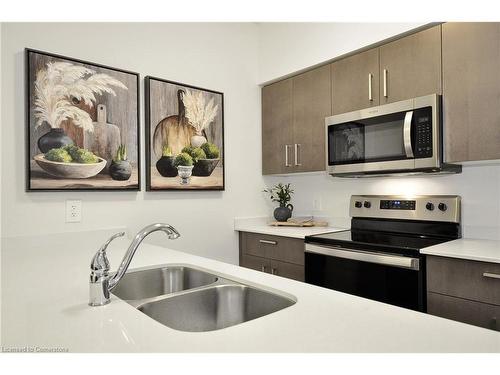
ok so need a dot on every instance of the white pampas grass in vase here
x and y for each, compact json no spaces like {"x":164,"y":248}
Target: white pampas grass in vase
{"x":61,"y":81}
{"x":199,"y":112}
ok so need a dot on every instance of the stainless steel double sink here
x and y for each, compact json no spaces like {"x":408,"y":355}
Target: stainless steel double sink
{"x":188,"y":299}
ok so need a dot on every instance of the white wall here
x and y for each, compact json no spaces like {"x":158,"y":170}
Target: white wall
{"x":222,"y":57}
{"x":286,"y":48}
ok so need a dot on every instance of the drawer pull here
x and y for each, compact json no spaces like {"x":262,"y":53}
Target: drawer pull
{"x":274,"y":271}
{"x":268,"y":242}
{"x":491,"y":275}
{"x":263,"y":269}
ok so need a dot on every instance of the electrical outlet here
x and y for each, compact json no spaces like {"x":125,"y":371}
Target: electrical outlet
{"x":73,"y":211}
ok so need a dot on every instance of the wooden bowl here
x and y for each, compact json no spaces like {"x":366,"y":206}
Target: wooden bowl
{"x":70,"y":170}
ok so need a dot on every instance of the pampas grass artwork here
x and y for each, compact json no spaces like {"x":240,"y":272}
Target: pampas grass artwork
{"x":199,"y":112}
{"x":58,"y":83}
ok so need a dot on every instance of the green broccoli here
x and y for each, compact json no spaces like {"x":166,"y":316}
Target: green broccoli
{"x":59,"y":155}
{"x":183,"y":159}
{"x":85,"y":157}
{"x":72,"y":150}
{"x":187,"y":149}
{"x":197,"y":154}
{"x":211,"y":150}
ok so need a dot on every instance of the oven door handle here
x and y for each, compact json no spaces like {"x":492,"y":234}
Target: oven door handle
{"x":407,"y":134}
{"x":366,"y":256}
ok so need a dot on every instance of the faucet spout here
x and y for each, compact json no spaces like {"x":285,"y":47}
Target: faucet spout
{"x":101,"y":283}
{"x":139,"y":237}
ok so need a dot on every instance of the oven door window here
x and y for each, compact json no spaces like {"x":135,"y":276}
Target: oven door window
{"x":372,"y":140}
{"x":393,"y":285}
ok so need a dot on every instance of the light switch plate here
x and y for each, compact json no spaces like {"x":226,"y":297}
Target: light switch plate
{"x":73,"y":211}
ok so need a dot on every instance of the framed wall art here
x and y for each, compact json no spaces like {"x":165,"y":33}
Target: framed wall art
{"x":82,"y":125}
{"x":184,"y":136}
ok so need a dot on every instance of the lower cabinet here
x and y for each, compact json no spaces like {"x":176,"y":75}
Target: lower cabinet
{"x":464,"y":290}
{"x":463,"y":310}
{"x":276,"y":255}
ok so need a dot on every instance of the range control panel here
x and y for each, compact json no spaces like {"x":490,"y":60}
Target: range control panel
{"x":397,"y":204}
{"x":422,"y":207}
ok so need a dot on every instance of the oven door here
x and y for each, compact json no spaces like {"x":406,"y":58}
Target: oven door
{"x":394,"y":137}
{"x":390,"y":278}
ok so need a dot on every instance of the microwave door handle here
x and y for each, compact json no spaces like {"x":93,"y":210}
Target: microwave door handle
{"x":407,"y":134}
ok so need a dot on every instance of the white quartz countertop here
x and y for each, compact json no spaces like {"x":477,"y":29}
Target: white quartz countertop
{"x":45,"y":295}
{"x":261,"y":225}
{"x":466,"y":248}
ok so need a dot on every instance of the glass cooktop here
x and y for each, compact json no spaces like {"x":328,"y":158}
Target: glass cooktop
{"x":376,"y":240}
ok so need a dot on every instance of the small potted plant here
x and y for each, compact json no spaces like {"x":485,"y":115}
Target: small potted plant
{"x":184,"y":164}
{"x":205,"y":165}
{"x":165,"y":165}
{"x":282,"y":194}
{"x":120,"y":168}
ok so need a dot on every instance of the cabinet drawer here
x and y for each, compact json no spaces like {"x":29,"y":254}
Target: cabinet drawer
{"x":288,"y":270}
{"x":475,"y":313}
{"x":255,"y":263}
{"x":274,"y":247}
{"x":464,"y":278}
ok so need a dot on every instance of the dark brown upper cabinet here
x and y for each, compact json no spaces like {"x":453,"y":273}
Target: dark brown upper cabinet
{"x":293,"y":122}
{"x":355,"y":82}
{"x":411,"y":66}
{"x":277,"y":127}
{"x":471,"y":91}
{"x":311,"y":104}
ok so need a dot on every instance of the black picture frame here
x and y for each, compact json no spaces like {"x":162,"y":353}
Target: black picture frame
{"x":148,"y":139}
{"x":28,"y":128}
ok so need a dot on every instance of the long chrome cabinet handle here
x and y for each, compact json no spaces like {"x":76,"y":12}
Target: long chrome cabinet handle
{"x":365,"y":256}
{"x":287,"y":163}
{"x":491,"y":275}
{"x":370,"y":95}
{"x":268,"y":242}
{"x":297,"y":150}
{"x":385,"y":82}
{"x":407,"y":134}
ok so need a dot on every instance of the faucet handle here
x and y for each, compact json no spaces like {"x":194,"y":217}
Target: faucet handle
{"x":100,"y":262}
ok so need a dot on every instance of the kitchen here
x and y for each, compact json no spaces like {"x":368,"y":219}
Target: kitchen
{"x":270,"y":90}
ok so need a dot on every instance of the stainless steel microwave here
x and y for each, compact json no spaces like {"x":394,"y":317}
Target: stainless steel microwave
{"x":397,"y":138}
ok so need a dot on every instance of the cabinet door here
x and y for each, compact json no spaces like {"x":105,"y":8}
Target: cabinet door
{"x":277,"y":127}
{"x":412,"y":66}
{"x":462,"y":310}
{"x":471,"y":91}
{"x":255,"y":263}
{"x":311,"y":104}
{"x":355,"y":82}
{"x":288,"y":270}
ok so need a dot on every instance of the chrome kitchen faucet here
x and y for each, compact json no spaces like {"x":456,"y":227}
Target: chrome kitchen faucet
{"x":101,"y":282}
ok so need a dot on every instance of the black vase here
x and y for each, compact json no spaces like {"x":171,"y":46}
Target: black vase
{"x":120,"y":170}
{"x":165,"y":166}
{"x":55,"y":138}
{"x":205,"y":167}
{"x":283,"y":213}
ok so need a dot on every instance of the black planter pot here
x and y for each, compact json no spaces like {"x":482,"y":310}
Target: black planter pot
{"x":204,"y":167}
{"x":120,"y":170}
{"x":283,"y":213}
{"x":165,"y":166}
{"x":55,"y":138}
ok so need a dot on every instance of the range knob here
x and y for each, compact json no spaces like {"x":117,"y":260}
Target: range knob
{"x":367,"y":204}
{"x":358,"y":204}
{"x":442,"y":206}
{"x":430,"y":206}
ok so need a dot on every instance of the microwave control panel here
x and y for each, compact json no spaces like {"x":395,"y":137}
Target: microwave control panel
{"x":423,"y":133}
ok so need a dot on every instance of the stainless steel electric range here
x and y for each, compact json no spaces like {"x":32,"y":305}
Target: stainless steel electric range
{"x":379,"y":257}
